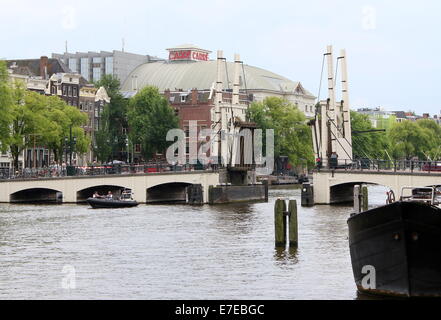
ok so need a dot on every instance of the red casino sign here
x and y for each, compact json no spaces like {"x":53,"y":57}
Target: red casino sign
{"x":188,"y":55}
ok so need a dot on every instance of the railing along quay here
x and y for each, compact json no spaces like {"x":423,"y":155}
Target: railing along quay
{"x":383,"y":166}
{"x":57,"y":171}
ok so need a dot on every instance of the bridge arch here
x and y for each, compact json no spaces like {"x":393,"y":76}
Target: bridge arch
{"x":102,"y":189}
{"x":344,"y":192}
{"x":170,"y":192}
{"x":36,"y":195}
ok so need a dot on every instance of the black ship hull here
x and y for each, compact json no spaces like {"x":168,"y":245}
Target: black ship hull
{"x":108,"y":203}
{"x":402,"y":242}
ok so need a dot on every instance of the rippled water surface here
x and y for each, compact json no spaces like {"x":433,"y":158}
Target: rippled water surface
{"x":174,"y":252}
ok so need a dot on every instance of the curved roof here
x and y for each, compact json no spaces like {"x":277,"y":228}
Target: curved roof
{"x":187,"y":75}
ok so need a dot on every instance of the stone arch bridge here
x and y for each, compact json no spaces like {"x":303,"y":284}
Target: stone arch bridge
{"x":337,"y":186}
{"x":147,"y":188}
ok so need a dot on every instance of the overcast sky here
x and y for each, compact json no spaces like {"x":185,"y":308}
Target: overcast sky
{"x":393,"y":47}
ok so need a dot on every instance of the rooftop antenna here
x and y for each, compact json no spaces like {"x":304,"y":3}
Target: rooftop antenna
{"x":65,"y":44}
{"x":123,"y":43}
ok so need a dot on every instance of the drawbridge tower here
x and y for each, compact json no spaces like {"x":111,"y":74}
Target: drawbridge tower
{"x":331,"y":127}
{"x":232,"y":140}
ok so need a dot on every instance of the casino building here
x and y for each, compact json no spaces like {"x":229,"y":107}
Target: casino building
{"x":189,"y":67}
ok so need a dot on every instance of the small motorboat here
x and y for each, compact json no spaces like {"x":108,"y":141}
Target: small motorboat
{"x":125,"y":201}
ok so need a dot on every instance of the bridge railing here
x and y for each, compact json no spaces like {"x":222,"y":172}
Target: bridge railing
{"x":105,"y":169}
{"x":382,"y":165}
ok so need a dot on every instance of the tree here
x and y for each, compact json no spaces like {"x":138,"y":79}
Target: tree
{"x":102,"y":149}
{"x":292,"y":136}
{"x":28,"y":120}
{"x":64,"y":120}
{"x":113,"y":121}
{"x":433,"y":130}
{"x":5,"y":106}
{"x":408,"y":140}
{"x":367,"y":145}
{"x":150,"y":117}
{"x":44,"y":121}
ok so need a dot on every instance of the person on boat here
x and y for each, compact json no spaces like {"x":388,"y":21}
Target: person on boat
{"x":97,"y":195}
{"x":109,"y":195}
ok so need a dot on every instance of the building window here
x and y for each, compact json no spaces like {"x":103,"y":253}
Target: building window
{"x":137,"y":148}
{"x":96,"y":60}
{"x":109,"y":65}
{"x":64,"y":91}
{"x":69,"y":91}
{"x":74,"y":91}
{"x":73,"y":65}
{"x":85,"y":68}
{"x":96,"y":74}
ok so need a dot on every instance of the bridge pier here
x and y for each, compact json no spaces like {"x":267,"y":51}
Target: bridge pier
{"x":322,"y":190}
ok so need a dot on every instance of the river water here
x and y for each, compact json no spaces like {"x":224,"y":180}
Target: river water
{"x":174,"y":252}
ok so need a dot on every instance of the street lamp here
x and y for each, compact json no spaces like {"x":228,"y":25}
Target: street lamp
{"x":128,"y":150}
{"x":66,"y":140}
{"x":69,"y":145}
{"x":72,"y":148}
{"x":34,"y":153}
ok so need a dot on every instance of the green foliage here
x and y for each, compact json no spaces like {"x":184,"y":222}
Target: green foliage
{"x":110,"y":83}
{"x":292,"y":136}
{"x":5,"y":106}
{"x":150,"y":117}
{"x":62,"y":119}
{"x":433,"y":130}
{"x":367,"y":145}
{"x":43,"y":120}
{"x":102,"y":148}
{"x":402,"y":140}
{"x":414,"y":139}
{"x":28,"y":121}
{"x":113,"y":121}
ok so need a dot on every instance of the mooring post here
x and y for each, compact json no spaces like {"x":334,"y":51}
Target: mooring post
{"x":307,"y":197}
{"x":360,"y":198}
{"x":364,"y":193}
{"x":357,"y":199}
{"x":280,"y":223}
{"x":265,"y":183}
{"x":293,"y":228}
{"x":210,"y":194}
